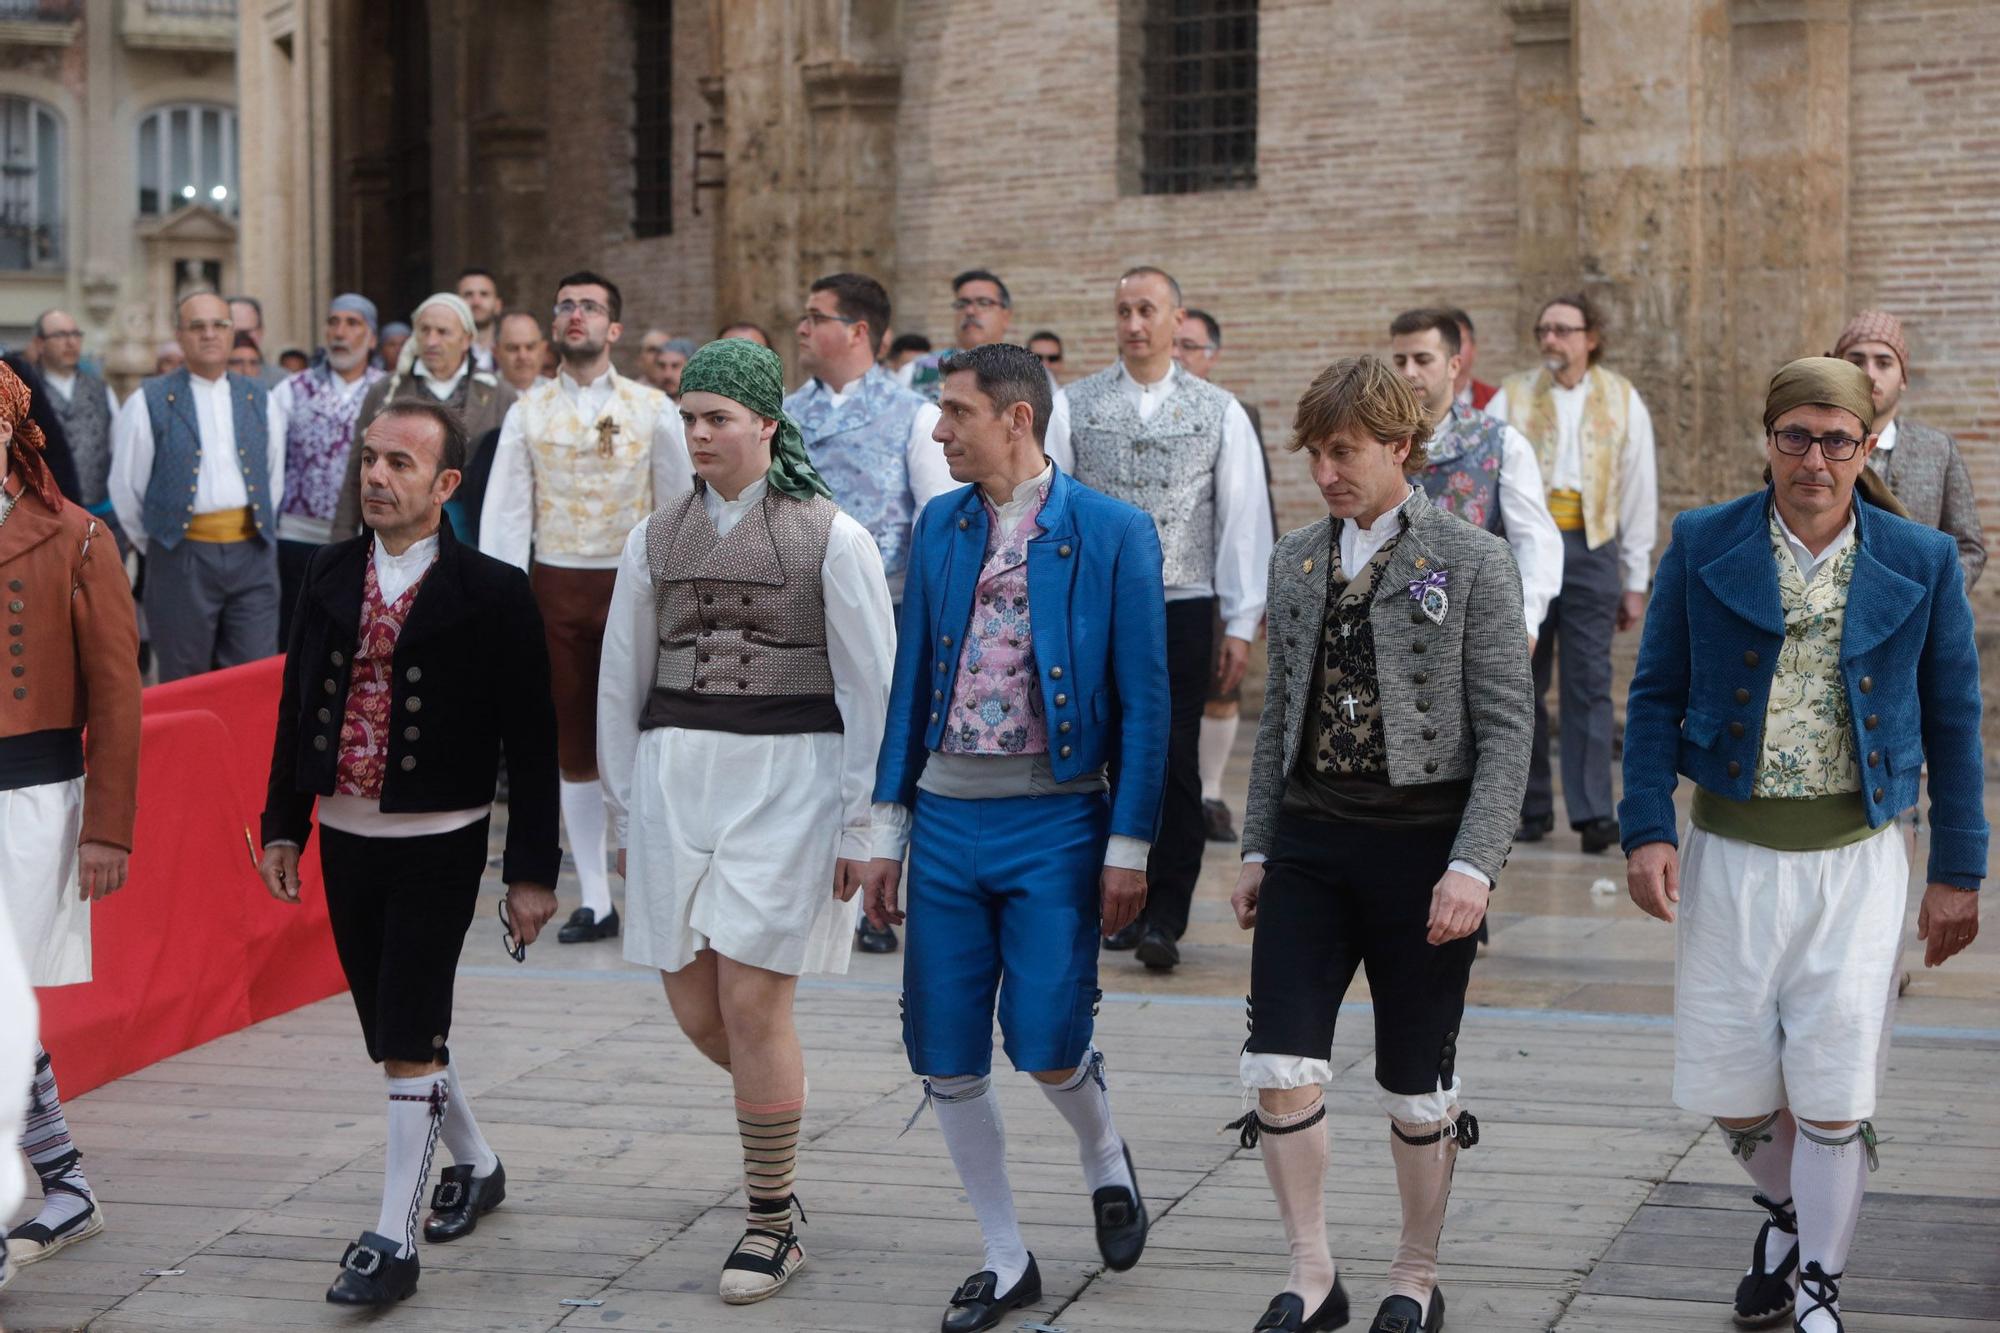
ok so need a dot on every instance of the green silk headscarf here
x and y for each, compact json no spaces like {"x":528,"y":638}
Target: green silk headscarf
{"x":744,"y":372}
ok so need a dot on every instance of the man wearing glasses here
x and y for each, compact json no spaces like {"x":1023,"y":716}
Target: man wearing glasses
{"x":581,"y":462}
{"x":1808,"y":651}
{"x":1594,"y":440}
{"x":412,"y":659}
{"x":83,"y":403}
{"x":982,"y":309}
{"x":197,"y":469}
{"x":1047,"y":346}
{"x":868,"y":436}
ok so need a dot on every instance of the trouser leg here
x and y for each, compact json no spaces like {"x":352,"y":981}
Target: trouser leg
{"x":1540,"y":800}
{"x":1592,"y":587}
{"x":183,"y":607}
{"x":1175,"y":862}
{"x":247,"y":628}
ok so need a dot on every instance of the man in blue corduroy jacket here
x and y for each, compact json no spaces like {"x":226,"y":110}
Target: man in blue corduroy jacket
{"x":1808,"y":651}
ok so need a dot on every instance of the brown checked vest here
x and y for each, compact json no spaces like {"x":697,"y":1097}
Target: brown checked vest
{"x":741,"y":619}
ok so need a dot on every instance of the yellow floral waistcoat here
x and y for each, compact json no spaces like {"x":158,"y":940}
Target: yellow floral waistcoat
{"x":1607,"y":404}
{"x":1808,"y":747}
{"x":593,"y":478}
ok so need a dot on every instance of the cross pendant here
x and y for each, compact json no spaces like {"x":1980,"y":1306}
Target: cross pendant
{"x":1347,"y":706}
{"x":607,"y":430}
{"x":1346,"y":629}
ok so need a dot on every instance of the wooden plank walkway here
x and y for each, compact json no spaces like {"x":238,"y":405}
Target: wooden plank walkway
{"x":1591,"y":1204}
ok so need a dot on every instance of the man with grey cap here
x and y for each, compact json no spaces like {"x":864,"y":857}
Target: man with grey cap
{"x":320,"y":405}
{"x":437,"y":365}
{"x":1807,"y":652}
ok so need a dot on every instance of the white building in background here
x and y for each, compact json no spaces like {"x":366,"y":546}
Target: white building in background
{"x":119,"y":181}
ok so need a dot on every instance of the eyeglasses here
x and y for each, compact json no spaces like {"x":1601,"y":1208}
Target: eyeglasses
{"x":564,"y":309}
{"x":1560,"y":330}
{"x":1050,"y":358}
{"x":511,"y":942}
{"x":1833,"y":448}
{"x":965,"y":303}
{"x":817,"y":318}
{"x":64,"y":334}
{"x":1186,"y":348}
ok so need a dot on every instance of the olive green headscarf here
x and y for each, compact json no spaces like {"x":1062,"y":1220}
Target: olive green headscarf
{"x":1829,"y":382}
{"x":746,"y":373}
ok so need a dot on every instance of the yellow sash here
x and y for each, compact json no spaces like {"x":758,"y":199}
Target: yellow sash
{"x":224,"y":525}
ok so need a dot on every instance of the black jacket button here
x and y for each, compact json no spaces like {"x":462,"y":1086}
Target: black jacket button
{"x":1423,"y":705}
{"x":1430,"y":766}
{"x":1430,"y":733}
{"x":329,"y":687}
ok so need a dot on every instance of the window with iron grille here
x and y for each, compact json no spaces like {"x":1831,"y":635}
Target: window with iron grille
{"x":652,"y":117}
{"x":31,"y":167}
{"x":1198,"y":96}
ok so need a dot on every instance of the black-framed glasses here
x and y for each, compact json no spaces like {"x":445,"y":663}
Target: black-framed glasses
{"x":818,"y":317}
{"x":1834,"y":448}
{"x":1050,"y":358}
{"x":976,"y":303}
{"x":515,"y":947}
{"x":1560,"y":330}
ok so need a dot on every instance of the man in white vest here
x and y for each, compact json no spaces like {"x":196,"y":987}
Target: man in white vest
{"x":1594,"y":439}
{"x":582,"y":460}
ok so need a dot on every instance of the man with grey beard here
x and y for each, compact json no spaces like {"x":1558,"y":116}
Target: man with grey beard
{"x":321,"y":403}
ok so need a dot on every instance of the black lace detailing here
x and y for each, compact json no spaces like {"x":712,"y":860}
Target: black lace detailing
{"x":1465,"y":1130}
{"x":1253,"y":1126}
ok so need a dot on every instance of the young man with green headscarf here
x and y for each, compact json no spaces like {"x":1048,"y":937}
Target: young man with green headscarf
{"x":740,"y":709}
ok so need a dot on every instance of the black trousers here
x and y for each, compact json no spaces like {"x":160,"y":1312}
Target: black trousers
{"x":1175,"y":864}
{"x":400,"y":908}
{"x":293,"y":560}
{"x":1341,"y":896}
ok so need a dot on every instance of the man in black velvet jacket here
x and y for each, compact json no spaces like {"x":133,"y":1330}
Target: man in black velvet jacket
{"x":413,"y":659}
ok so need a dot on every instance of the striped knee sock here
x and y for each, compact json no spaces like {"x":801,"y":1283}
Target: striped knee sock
{"x":50,"y":1150}
{"x":770,"y":1134}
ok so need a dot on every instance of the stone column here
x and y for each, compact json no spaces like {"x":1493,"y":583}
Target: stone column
{"x":1545,"y":161}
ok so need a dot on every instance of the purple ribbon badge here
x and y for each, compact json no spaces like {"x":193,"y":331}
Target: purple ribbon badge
{"x":1429,"y":595}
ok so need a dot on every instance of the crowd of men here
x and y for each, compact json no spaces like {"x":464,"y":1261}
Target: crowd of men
{"x":954,"y":640}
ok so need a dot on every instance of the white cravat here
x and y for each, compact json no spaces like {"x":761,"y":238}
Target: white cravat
{"x":395,"y":573}
{"x":726,"y":514}
{"x":1358,"y":545}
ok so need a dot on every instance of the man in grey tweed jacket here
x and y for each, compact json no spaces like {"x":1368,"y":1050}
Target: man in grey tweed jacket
{"x":1391,"y":761}
{"x":1921,"y":463}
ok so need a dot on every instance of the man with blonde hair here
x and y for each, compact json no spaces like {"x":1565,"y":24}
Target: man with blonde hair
{"x":1390,"y":762}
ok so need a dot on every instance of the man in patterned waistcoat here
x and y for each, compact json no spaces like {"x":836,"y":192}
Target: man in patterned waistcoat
{"x":1594,"y":437}
{"x":581,"y":462}
{"x":1029,"y":658}
{"x":1807,"y":654}
{"x":1921,"y":463}
{"x":197,"y":466}
{"x":868,"y":436}
{"x":84,"y":405}
{"x":321,"y":405}
{"x":1147,"y":432}
{"x":1476,"y":466}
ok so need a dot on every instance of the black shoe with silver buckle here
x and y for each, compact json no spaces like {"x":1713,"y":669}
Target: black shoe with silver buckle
{"x":583,"y":927}
{"x":976,"y":1304}
{"x":1399,"y":1314}
{"x":1287,"y":1313}
{"x":870,"y":940}
{"x":1121,"y":1221}
{"x":461,"y":1199}
{"x":371,"y":1274}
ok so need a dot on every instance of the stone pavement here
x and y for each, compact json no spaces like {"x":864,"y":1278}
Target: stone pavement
{"x":1591,"y":1204}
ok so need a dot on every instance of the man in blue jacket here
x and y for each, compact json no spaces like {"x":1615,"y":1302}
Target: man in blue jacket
{"x":1027,"y":742}
{"x":1807,"y":653}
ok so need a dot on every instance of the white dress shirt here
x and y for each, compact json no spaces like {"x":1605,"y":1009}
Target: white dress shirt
{"x":860,"y":650}
{"x":219,"y":481}
{"x":1537,"y":541}
{"x":65,"y":385}
{"x":892,"y":818}
{"x":1809,"y":564}
{"x":1886,"y":438}
{"x":301,"y":527}
{"x":442,"y":389}
{"x":1359,"y":545}
{"x":1243,"y":536}
{"x":1638,"y":481}
{"x":923,"y":456}
{"x":507,"y":518}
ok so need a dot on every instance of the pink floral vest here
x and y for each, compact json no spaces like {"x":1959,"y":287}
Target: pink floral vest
{"x":996,"y":704}
{"x":364,"y":730}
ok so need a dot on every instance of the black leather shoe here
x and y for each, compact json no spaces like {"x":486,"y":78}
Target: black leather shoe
{"x":461,"y":1199}
{"x":1121,"y":1221}
{"x":1598,"y":835}
{"x":1218,"y":825}
{"x":1158,"y":951}
{"x":1287,"y":1313}
{"x":1534,"y":828}
{"x":870,"y":940}
{"x":1399,"y":1314}
{"x":1125,"y":939}
{"x":583,"y":927}
{"x":975,"y":1305}
{"x":371,"y":1274}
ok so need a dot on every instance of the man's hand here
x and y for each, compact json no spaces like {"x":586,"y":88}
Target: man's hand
{"x":1947,"y":922}
{"x":1249,"y":883}
{"x":1653,"y":878}
{"x":1124,"y":896}
{"x":280,"y":869}
{"x":1230,"y":663}
{"x":1458,"y":905}
{"x":529,"y":907}
{"x":1631,"y":610}
{"x":100,"y":869}
{"x":879,"y":880}
{"x":848,"y":877}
